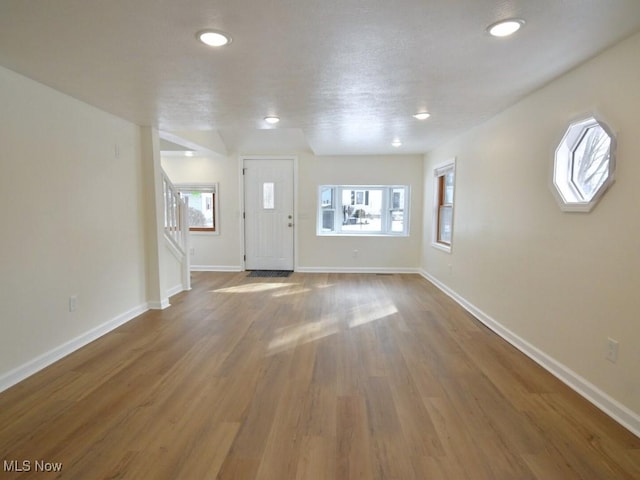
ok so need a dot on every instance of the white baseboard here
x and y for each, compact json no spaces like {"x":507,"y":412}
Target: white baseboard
{"x":161,"y":305}
{"x":622,"y":414}
{"x":175,"y":290}
{"x":216,"y":268}
{"x":382,"y":270}
{"x":26,"y":370}
{"x":233,"y":268}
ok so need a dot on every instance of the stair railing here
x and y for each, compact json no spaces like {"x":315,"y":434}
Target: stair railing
{"x":176,"y":225}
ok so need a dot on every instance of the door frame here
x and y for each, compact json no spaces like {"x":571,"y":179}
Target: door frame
{"x":294,"y":160}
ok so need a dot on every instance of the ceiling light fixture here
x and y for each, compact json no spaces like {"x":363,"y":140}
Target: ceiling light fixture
{"x":189,"y":153}
{"x":214,"y":38}
{"x":272,"y":119}
{"x":396,"y":143}
{"x":504,"y":28}
{"x":421,"y":115}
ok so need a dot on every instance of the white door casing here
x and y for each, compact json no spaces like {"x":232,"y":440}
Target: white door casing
{"x":268,"y":214}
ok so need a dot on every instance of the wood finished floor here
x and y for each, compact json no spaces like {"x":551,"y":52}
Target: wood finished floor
{"x":315,"y":376}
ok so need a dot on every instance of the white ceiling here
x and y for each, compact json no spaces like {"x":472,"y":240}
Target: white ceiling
{"x":345,"y":76}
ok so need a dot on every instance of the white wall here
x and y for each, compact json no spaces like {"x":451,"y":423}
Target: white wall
{"x":562,"y":282}
{"x":374,"y":253}
{"x":171,"y":270}
{"x":313,"y":252}
{"x":72,"y":222}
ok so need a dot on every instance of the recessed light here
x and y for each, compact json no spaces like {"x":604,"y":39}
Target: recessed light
{"x":421,"y":115}
{"x":504,"y":28}
{"x":214,"y":38}
{"x":272,"y":119}
{"x":396,"y":143}
{"x":189,"y":153}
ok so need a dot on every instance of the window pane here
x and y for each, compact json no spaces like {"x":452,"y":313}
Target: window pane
{"x":397,"y":209}
{"x":328,"y":220}
{"x":445,"y":224}
{"x":327,"y":207}
{"x":361,"y":210}
{"x":397,"y":220}
{"x":591,"y":162}
{"x":268,"y":196}
{"x":326,"y":198}
{"x":200,"y":209}
{"x":448,"y":188}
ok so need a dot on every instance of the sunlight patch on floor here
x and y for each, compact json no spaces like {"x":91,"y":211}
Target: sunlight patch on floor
{"x":291,"y":292}
{"x":254,"y":287}
{"x":371,"y":313}
{"x":289,"y":337}
{"x":310,"y":331}
{"x":325,"y":285}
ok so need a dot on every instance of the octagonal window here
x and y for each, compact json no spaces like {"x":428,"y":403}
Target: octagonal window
{"x":584,"y":165}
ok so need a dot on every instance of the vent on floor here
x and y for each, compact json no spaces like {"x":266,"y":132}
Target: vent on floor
{"x":270,"y":273}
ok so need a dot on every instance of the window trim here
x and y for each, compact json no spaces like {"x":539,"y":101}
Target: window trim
{"x":385,"y":216}
{"x":204,"y":188}
{"x":439,"y":172}
{"x":568,"y":195}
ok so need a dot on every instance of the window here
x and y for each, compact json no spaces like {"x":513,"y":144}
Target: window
{"x":444,"y":181}
{"x":268,"y":196}
{"x":363,"y":210}
{"x":584,"y":164}
{"x":202,"y":206}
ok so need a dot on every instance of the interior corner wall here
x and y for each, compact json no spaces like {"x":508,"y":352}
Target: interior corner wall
{"x":562,"y":282}
{"x":72,"y":224}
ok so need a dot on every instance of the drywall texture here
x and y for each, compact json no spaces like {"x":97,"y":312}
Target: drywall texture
{"x":72,"y":221}
{"x":564,"y":282}
{"x":377,"y":253}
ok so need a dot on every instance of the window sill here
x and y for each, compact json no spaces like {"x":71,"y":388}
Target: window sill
{"x":441,"y":246}
{"x":359,"y":235}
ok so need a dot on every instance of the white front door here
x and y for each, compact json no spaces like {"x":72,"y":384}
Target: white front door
{"x":268,"y":213}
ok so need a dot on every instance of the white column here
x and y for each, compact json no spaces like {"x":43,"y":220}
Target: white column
{"x":154,"y":218}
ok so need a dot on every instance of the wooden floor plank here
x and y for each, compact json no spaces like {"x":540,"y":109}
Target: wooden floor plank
{"x":317,"y":459}
{"x":353,"y":448}
{"x":314,"y":376}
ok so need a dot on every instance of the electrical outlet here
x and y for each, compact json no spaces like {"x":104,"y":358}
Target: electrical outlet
{"x":355,"y":254}
{"x":612,"y":350}
{"x":73,"y":303}
{"x":192,"y":251}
